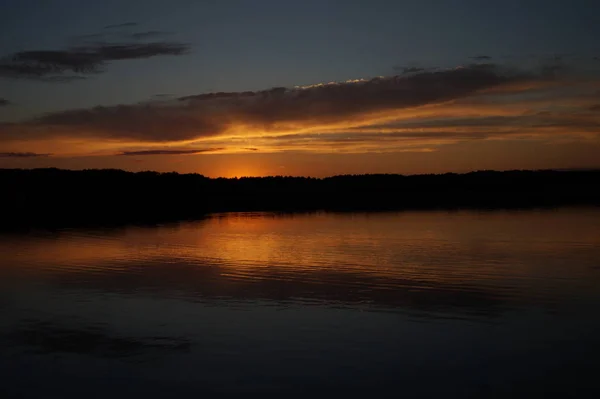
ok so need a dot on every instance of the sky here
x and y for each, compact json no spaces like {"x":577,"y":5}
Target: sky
{"x":313,"y":88}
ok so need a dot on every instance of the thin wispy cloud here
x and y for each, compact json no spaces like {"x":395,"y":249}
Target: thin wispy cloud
{"x":22,"y":155}
{"x":171,"y":152}
{"x":123,"y":25}
{"x":411,"y":69}
{"x":4,"y":102}
{"x":481,"y":58}
{"x":151,"y":34}
{"x":118,"y":35}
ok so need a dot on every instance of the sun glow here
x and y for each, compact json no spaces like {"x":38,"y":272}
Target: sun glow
{"x":243,"y":171}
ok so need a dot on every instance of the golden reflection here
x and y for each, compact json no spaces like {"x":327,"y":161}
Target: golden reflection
{"x":435,"y":247}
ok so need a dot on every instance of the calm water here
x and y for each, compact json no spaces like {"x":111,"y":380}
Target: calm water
{"x":413,"y":304}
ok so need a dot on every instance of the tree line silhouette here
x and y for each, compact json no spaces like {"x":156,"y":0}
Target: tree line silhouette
{"x":56,"y":197}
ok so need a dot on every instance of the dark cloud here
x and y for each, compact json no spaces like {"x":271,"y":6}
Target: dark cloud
{"x":76,"y":61}
{"x":123,"y":25}
{"x":4,"y":102}
{"x":22,"y":155}
{"x":481,"y":58}
{"x":115,"y":52}
{"x":56,"y":61}
{"x":120,"y":35}
{"x":412,"y":69}
{"x":212,"y":114}
{"x":34,"y":72}
{"x":37,"y":72}
{"x":595,"y":107}
{"x":408,"y":112}
{"x":227,"y":95}
{"x":207,"y":115}
{"x":171,"y":152}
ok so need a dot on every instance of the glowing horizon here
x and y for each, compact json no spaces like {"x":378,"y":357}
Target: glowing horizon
{"x":297,"y":104}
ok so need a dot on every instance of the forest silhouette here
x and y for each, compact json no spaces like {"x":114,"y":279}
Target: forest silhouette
{"x":54,"y":197}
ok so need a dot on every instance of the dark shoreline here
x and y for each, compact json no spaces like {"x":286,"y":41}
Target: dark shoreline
{"x":53,"y":198}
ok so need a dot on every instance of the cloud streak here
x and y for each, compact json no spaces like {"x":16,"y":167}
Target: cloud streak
{"x":92,"y":54}
{"x":123,"y":25}
{"x":171,"y":152}
{"x":22,"y":155}
{"x":481,"y":58}
{"x":420,"y":111}
{"x":54,"y":64}
{"x":4,"y":102}
{"x":149,"y":34}
{"x":406,"y":70}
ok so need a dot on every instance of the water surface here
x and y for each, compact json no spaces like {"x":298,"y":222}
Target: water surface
{"x":420,"y":304}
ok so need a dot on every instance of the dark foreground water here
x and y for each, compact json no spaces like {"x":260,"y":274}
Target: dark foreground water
{"x":414,"y":304}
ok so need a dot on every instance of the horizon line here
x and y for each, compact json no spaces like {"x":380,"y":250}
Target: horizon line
{"x":577,"y":169}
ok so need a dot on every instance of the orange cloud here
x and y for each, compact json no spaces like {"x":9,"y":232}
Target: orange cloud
{"x":413,"y":112}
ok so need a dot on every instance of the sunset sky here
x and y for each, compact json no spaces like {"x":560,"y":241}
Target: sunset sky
{"x":312,"y":87}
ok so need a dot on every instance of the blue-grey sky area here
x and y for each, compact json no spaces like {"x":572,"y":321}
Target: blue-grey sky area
{"x":64,"y":56}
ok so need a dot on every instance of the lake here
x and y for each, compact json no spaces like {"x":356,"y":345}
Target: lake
{"x":414,"y":304}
